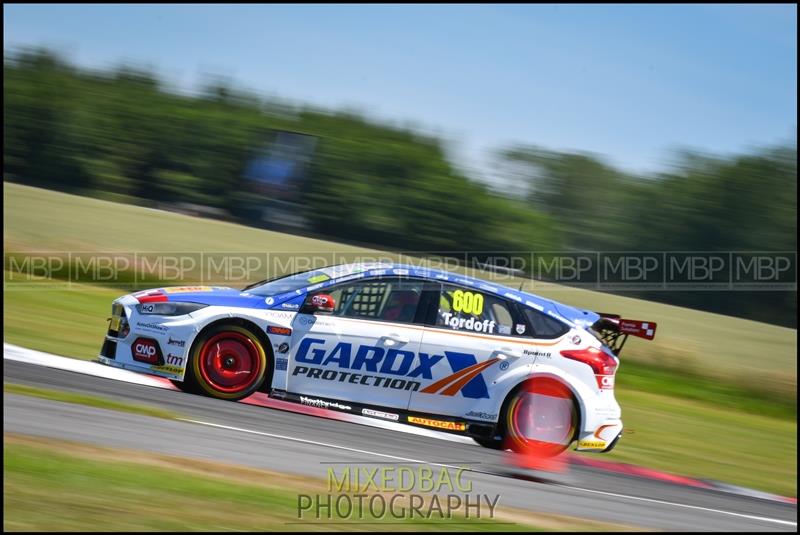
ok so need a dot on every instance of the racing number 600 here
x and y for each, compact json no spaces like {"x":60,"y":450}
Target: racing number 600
{"x":468,"y":302}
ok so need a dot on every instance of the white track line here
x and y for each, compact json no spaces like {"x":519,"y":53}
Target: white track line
{"x":652,"y":500}
{"x":316,"y":443}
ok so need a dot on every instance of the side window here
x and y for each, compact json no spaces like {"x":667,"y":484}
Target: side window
{"x":465,"y":309}
{"x":543,"y":326}
{"x":391,"y":300}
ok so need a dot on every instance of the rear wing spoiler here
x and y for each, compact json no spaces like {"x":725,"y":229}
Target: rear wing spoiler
{"x":614,"y":330}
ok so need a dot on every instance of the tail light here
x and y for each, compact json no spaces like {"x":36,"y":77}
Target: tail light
{"x":603,"y":365}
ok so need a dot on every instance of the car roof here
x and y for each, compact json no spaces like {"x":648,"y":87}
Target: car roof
{"x":572,"y":315}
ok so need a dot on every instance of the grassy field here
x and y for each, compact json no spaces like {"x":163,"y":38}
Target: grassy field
{"x":85,"y":487}
{"x":712,"y":396}
{"x":706,"y":441}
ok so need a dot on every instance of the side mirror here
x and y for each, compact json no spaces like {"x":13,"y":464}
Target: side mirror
{"x":319,"y":303}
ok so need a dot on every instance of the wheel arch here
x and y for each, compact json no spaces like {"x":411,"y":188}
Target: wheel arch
{"x":252,"y":326}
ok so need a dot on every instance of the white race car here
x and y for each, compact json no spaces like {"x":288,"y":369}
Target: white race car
{"x":391,"y":341}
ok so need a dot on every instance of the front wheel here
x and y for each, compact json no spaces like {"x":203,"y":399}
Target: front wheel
{"x":540,"y":417}
{"x":227,"y":362}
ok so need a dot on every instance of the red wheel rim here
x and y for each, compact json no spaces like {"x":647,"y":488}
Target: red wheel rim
{"x":542,"y":418}
{"x":230,"y":362}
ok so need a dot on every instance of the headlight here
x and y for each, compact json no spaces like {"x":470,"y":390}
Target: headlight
{"x":168,"y":309}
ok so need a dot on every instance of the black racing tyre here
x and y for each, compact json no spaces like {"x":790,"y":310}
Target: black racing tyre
{"x":184,"y":386}
{"x":493,"y":443}
{"x":226,"y":362}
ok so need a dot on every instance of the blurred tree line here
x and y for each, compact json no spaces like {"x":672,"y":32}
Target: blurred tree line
{"x":123,"y":133}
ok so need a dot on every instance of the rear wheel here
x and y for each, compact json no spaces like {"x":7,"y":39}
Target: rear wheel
{"x":541,"y":417}
{"x":227,"y":362}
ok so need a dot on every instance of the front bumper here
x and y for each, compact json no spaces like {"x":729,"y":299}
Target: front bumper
{"x":169,"y":337}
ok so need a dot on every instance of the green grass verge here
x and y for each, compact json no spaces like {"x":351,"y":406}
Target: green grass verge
{"x":89,"y":400}
{"x":705,"y":441}
{"x":53,"y":488}
{"x":60,"y":321}
{"x":742,"y":395}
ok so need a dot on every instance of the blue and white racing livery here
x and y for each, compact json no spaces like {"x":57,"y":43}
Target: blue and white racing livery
{"x":415,"y":345}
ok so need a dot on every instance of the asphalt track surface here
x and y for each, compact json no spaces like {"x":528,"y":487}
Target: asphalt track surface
{"x":302,"y":444}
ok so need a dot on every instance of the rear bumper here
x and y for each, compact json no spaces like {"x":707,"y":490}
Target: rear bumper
{"x":603,"y":439}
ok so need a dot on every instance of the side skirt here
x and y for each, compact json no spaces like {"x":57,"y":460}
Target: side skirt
{"x":430,"y":421}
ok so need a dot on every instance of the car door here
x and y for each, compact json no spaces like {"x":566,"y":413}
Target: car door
{"x":365,"y":350}
{"x":474,"y":338}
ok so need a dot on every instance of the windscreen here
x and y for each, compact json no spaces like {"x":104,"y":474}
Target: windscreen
{"x":289,"y":283}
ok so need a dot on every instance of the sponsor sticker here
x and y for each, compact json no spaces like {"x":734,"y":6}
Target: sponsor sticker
{"x":174,"y":342}
{"x":380,"y":414}
{"x":482,"y":415}
{"x":175,"y":370}
{"x":536,"y":353}
{"x":323,"y":404}
{"x":187,"y":289}
{"x":398,"y":369}
{"x":283,"y":348}
{"x":519,"y":328}
{"x":439,"y":424}
{"x":151,"y":327}
{"x":642,"y":329}
{"x":175,"y":360}
{"x":307,"y":320}
{"x":592,"y":444}
{"x":322,"y":300}
{"x":278,"y":315}
{"x":605,"y":382}
{"x":281,"y":331}
{"x":281,"y":364}
{"x":146,"y":350}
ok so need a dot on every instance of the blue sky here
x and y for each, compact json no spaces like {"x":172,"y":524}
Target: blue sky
{"x":633,"y":83}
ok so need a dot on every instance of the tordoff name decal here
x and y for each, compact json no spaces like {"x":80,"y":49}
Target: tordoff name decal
{"x":405,"y":369}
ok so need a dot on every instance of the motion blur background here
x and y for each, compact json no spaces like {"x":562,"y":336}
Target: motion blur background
{"x":441,"y":129}
{"x":102,"y":101}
